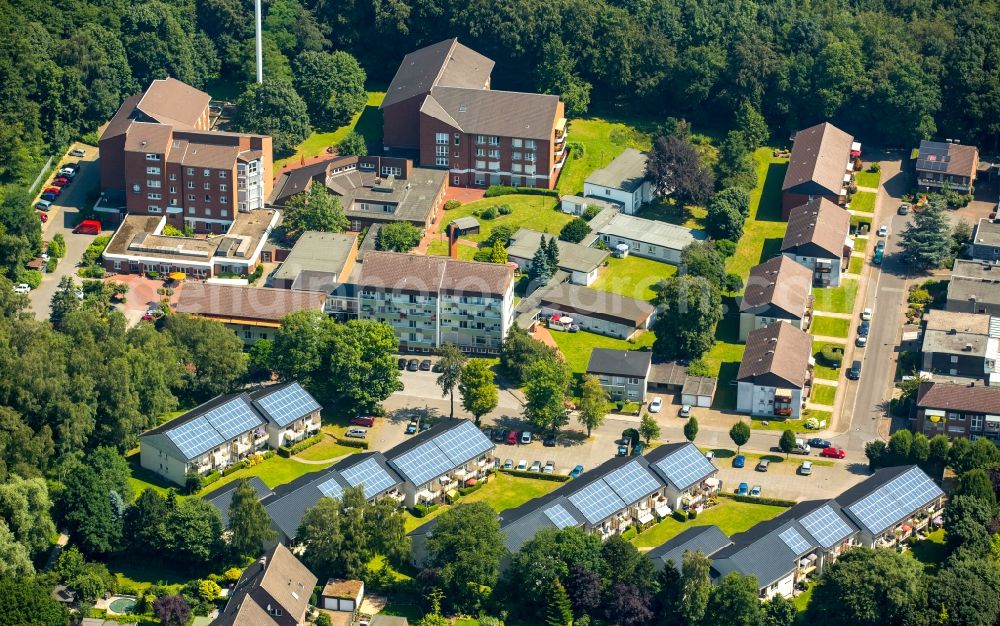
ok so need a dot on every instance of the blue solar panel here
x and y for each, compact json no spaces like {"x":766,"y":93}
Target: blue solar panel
{"x":685,"y":467}
{"x":632,"y":482}
{"x":826,"y":526}
{"x":288,"y":404}
{"x":794,"y":540}
{"x":233,"y":418}
{"x":597,"y":501}
{"x":195,"y":437}
{"x":894,"y":501}
{"x":423,"y":463}
{"x":463,"y":443}
{"x":369,"y":474}
{"x":330,"y":488}
{"x":560,"y":516}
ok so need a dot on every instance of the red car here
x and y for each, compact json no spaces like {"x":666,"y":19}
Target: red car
{"x":833,"y":453}
{"x":44,"y":217}
{"x":513,"y":437}
{"x":62,"y":181}
{"x":53,"y":190}
{"x":363,"y":420}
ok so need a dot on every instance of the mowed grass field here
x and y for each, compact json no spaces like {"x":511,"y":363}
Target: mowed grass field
{"x":576,"y":347}
{"x":368,"y":122}
{"x":602,"y":141}
{"x":527,"y":211}
{"x":729,"y":515}
{"x":764,"y":229}
{"x":836,"y":299}
{"x":633,"y":277}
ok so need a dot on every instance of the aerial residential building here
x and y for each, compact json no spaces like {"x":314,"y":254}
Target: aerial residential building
{"x":650,"y":239}
{"x":778,"y":290}
{"x":623,"y":181}
{"x":159,"y":158}
{"x":317,"y":262}
{"x":946,"y":163}
{"x":228,"y":429}
{"x":974,"y":287}
{"x":954,"y":410}
{"x":253,"y":313}
{"x":707,"y":540}
{"x":818,"y":237}
{"x":578,"y":205}
{"x":985,"y":243}
{"x":892,"y":505}
{"x":775,"y":375}
{"x":273,"y":591}
{"x":821,"y":166}
{"x":581,"y":262}
{"x":622,"y":373}
{"x":430,"y":301}
{"x":222,"y":497}
{"x":439,"y":106}
{"x":372,"y":189}
{"x":595,"y":311}
{"x":961,"y":344}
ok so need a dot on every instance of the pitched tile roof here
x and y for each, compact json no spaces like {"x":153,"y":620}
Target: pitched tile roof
{"x":239,"y":302}
{"x":446,"y":63}
{"x":820,"y":154}
{"x":948,"y":158}
{"x":778,"y":283}
{"x":170,"y":101}
{"x":819,"y":226}
{"x":776,"y":355}
{"x":414,"y":273}
{"x":968,"y":398}
{"x":619,"y":362}
{"x":282,"y":578}
{"x":491,"y":112}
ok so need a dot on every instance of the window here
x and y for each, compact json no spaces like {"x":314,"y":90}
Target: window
{"x":480,"y":152}
{"x":456,"y":181}
{"x":223,"y":187}
{"x":494,"y":154}
{"x":224,"y":213}
{"x":515,"y":167}
{"x":206,"y":186}
{"x":457,"y":139}
{"x":977,"y":422}
{"x":208,"y":198}
{"x":208,"y":212}
{"x":118,"y":265}
{"x":152,"y":157}
{"x":190,"y":184}
{"x":607,"y":192}
{"x":190,"y":197}
{"x":515,"y":156}
{"x":457,"y":154}
{"x":155,"y":184}
{"x":529,"y":157}
{"x":190,"y":171}
{"x":480,"y":180}
{"x":153,"y":208}
{"x":153,"y":170}
{"x":222,"y":174}
{"x":516,"y":143}
{"x":441,"y":138}
{"x":173,"y":189}
{"x":190,"y":210}
{"x":441,"y":161}
{"x":247,"y":334}
{"x":529,"y":144}
{"x":954,"y":359}
{"x":441,"y":151}
{"x":480,"y":165}
{"x":633,"y":381}
{"x":206,"y":172}
{"x":494,"y":141}
{"x":480,"y":138}
{"x":173,"y":176}
{"x":388,"y":170}
{"x":153,"y":196}
{"x":223,"y":199}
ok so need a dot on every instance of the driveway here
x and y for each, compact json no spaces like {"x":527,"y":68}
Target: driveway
{"x":62,"y":218}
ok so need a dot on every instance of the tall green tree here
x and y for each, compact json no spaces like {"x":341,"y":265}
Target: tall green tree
{"x":63,"y":301}
{"x":398,"y":237}
{"x":575,"y":230}
{"x":545,"y":395}
{"x":539,"y":270}
{"x":24,"y":507}
{"x":649,"y":428}
{"x":977,"y":484}
{"x":15,"y":561}
{"x":315,"y":209}
{"x":593,"y":403}
{"x":28,"y":601}
{"x":477,"y":389}
{"x":193,"y":533}
{"x":144,"y":522}
{"x":273,"y":108}
{"x":466,"y":548}
{"x":498,"y":253}
{"x":690,"y":309}
{"x":332,"y":85}
{"x":676,"y":169}
{"x":556,"y":75}
{"x":779,"y":611}
{"x":450,"y":362}
{"x":213,"y":354}
{"x":695,"y":588}
{"x":691,"y":429}
{"x":926,"y":240}
{"x":787,"y":442}
{"x":249,"y":524}
{"x":353,"y":144}
{"x":519,"y":352}
{"x":362,"y":366}
{"x":319,"y":532}
{"x":740,"y":434}
{"x":735,"y":600}
{"x":966,"y":590}
{"x":558,"y":611}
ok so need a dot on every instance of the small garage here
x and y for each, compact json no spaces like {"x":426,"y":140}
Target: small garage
{"x":698,"y":391}
{"x":467,"y":225}
{"x":342,"y":595}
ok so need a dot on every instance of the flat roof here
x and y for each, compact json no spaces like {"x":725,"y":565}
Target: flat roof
{"x":595,"y":303}
{"x":652,"y":232}
{"x":317,"y":252}
{"x":979,"y":270}
{"x":968,"y":289}
{"x":572,"y":256}
{"x":413,"y":196}
{"x":626,"y":172}
{"x":987,"y":233}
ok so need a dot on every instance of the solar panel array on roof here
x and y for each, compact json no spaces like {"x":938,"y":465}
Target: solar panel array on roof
{"x":195,"y":437}
{"x":794,"y":540}
{"x":445,"y":451}
{"x":288,"y":404}
{"x":895,"y":500}
{"x":423,"y":463}
{"x":934,"y":158}
{"x":597,"y":501}
{"x":559,"y":516}
{"x":632,"y":482}
{"x":233,"y":418}
{"x":462,"y":443}
{"x":370,"y":475}
{"x":331,"y":488}
{"x":826,"y":526}
{"x":685,"y":467}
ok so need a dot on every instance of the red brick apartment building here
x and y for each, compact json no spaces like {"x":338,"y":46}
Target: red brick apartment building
{"x":440,"y":106}
{"x":158,"y":157}
{"x":820,"y":167}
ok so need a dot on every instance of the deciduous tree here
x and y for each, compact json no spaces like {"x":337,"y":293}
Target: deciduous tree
{"x":273,"y":108}
{"x":691,"y":429}
{"x":649,"y":428}
{"x":689,"y":310}
{"x":353,"y":144}
{"x":575,"y":230}
{"x":466,"y":547}
{"x":695,"y":588}
{"x":450,"y":362}
{"x":593,"y":403}
{"x":545,"y":394}
{"x":172,"y":610}
{"x":316,"y":209}
{"x":397,"y":237}
{"x":332,"y":84}
{"x":676,"y":168}
{"x":249,"y":523}
{"x":740,"y":434}
{"x":787,"y":442}
{"x":478,"y":389}
{"x":735,"y":601}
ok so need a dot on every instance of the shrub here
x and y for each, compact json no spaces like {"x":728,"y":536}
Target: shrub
{"x":287,"y":451}
{"x":630,"y":533}
{"x":423,"y":510}
{"x":57,"y":247}
{"x":452,"y":205}
{"x":832,"y":354}
{"x":621,"y":136}
{"x":33,"y":278}
{"x":591,"y":212}
{"x":352,"y":443}
{"x":172,"y":231}
{"x":51,"y":264}
{"x":506,"y":190}
{"x":489,"y":213}
{"x":235,"y":467}
{"x":559,"y":478}
{"x":192,"y":484}
{"x":504,"y":209}
{"x":483,"y":255}
{"x":232,"y":574}
{"x":752,"y":500}
{"x":698,"y":367}
{"x":464,"y":491}
{"x":875,"y":167}
{"x":210,"y":478}
{"x":576,"y":149}
{"x":152,"y":274}
{"x":725,"y":247}
{"x":91,"y":271}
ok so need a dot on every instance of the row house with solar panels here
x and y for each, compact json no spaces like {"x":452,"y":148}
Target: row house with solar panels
{"x":887,"y":508}
{"x":451,"y":454}
{"x":228,"y":429}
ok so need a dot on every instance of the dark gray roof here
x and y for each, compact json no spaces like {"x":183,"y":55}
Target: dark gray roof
{"x":619,"y":362}
{"x":317,"y":252}
{"x":705,"y":539}
{"x":207,"y":433}
{"x":465,"y":223}
{"x":699,"y":386}
{"x":770,"y":557}
{"x":570,"y":298}
{"x":986,"y":233}
{"x":572,"y":256}
{"x":626,"y":172}
{"x":222,"y":498}
{"x":962,"y":289}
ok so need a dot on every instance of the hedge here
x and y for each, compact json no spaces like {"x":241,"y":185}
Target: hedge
{"x":288,"y":451}
{"x":210,"y":478}
{"x":559,"y":478}
{"x":352,"y":443}
{"x":235,"y":467}
{"x":464,"y":491}
{"x":422,"y":510}
{"x":752,"y":500}
{"x":505,"y":190}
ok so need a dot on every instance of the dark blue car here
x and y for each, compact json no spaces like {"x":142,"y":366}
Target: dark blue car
{"x":739,"y":461}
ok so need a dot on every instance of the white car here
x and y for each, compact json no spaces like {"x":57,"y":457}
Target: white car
{"x":78,"y":152}
{"x":685,"y":411}
{"x":22,"y":288}
{"x":710,"y":455}
{"x":536,"y":466}
{"x":522,"y":465}
{"x":654,"y":406}
{"x":526,"y":437}
{"x":866,"y":315}
{"x":359,"y":433}
{"x":883,"y":230}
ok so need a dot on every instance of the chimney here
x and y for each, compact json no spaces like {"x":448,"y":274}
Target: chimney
{"x":953,"y":331}
{"x":452,"y":241}
{"x":967,"y":348}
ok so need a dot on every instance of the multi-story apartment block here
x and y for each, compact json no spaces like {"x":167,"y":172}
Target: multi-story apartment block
{"x":775,"y":375}
{"x":969,"y":411}
{"x":985,"y":243}
{"x":430,"y":301}
{"x":440,"y":105}
{"x":158,"y":157}
{"x":777,"y":290}
{"x":820,"y":166}
{"x":818,"y":237}
{"x":961,"y":344}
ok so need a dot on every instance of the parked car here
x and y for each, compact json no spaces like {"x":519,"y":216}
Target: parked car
{"x":549,"y":441}
{"x":855,"y":372}
{"x":710,"y":455}
{"x":22,"y":288}
{"x":739,"y":461}
{"x":43,"y":205}
{"x":508,"y":464}
{"x":638,"y":449}
{"x":363,"y":420}
{"x":488,"y":432}
{"x":622,"y":450}
{"x":550,"y":466}
{"x":866,"y":314}
{"x":833,"y":453}
{"x":401,"y":363}
{"x":536,"y":466}
{"x":522,"y":465}
{"x":864,"y":327}
{"x":526,"y":437}
{"x":685,"y":411}
{"x":146,"y":317}
{"x":78,"y":152}
{"x":656,"y":404}
{"x":806,"y":468}
{"x":425,"y":365}
{"x":762,"y":465}
{"x":755,"y":491}
{"x":817,"y":442}
{"x":743,"y":489}
{"x":437,"y":367}
{"x":576,"y":471}
{"x":60,"y":181}
{"x":903,"y":209}
{"x":861,"y":341}
{"x":357,"y":433}
{"x":801,"y":447}
{"x":512,"y":437}
{"x":878,"y":256}
{"x":411,"y":428}
{"x":43,"y":216}
{"x":412,"y":365}
{"x":68,"y":172}
{"x":883,"y":230}
{"x":500,"y":435}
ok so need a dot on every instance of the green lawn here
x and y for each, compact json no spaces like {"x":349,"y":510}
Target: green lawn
{"x":140,"y":572}
{"x":764,"y":228}
{"x":823,"y":394}
{"x":576,"y":347}
{"x":801,"y":601}
{"x":857,"y":265}
{"x":729,"y":515}
{"x":860,"y":244}
{"x":931,"y":551}
{"x":328,"y":449}
{"x":868,"y":179}
{"x":837,"y":299}
{"x":439,"y":247}
{"x":502,"y":492}
{"x":863,"y":201}
{"x":820,"y":415}
{"x":529,"y":211}
{"x":602,"y":141}
{"x":776,"y":423}
{"x":723,"y":359}
{"x":633,"y":276}
{"x":830,"y":326}
{"x":368,"y":122}
{"x":821,"y":369}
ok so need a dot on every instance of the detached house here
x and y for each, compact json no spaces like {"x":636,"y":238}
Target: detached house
{"x":777,"y":290}
{"x":818,"y":237}
{"x":273,"y":591}
{"x":958,"y":410}
{"x":440,"y":107}
{"x":623,"y":373}
{"x":623,"y":182}
{"x":961,"y":344}
{"x":941,"y":163}
{"x":820,"y":166}
{"x":581,"y":262}
{"x":775,"y":375}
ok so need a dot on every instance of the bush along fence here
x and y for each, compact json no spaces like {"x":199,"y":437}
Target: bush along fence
{"x":505,"y":190}
{"x":753,"y":500}
{"x":559,"y":478}
{"x":288,"y":451}
{"x":352,"y":443}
